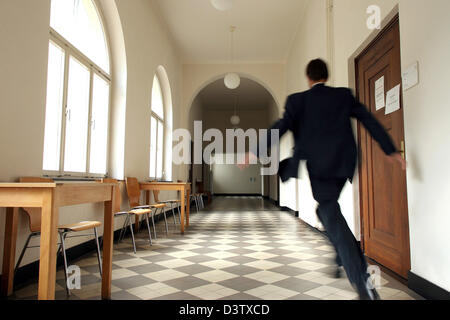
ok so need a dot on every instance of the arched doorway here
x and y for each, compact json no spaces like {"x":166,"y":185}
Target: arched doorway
{"x":214,"y":105}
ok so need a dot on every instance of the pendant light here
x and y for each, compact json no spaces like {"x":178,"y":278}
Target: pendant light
{"x":235,"y":120}
{"x":232,"y":80}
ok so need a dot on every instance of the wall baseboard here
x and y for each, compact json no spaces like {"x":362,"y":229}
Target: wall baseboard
{"x":286,"y":209}
{"x":237,"y":195}
{"x":426,"y":289}
{"x":274,"y":202}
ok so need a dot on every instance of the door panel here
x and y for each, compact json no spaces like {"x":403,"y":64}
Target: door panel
{"x":384,"y":211}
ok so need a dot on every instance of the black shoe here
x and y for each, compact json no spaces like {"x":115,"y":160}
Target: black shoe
{"x":338,"y":273}
{"x":369,"y":294}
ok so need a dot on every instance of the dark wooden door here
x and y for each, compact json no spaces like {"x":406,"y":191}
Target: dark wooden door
{"x":384,"y":211}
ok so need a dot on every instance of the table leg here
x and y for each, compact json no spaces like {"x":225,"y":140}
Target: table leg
{"x":47,"y":264}
{"x":183,"y":207}
{"x":147,"y":197}
{"x":188,"y":207}
{"x":108,"y":239}
{"x":9,"y":253}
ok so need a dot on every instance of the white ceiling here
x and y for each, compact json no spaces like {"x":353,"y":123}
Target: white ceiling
{"x":250,"y":95}
{"x":265,"y":29}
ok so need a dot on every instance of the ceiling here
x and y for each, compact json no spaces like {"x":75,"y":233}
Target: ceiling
{"x":250,"y":95}
{"x":265,"y":29}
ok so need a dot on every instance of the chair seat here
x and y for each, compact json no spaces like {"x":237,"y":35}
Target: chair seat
{"x":80,"y":226}
{"x":140,"y":211}
{"x":171,"y":201}
{"x":157,"y":205}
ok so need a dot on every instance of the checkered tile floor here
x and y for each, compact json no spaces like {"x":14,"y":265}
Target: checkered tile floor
{"x":237,"y":248}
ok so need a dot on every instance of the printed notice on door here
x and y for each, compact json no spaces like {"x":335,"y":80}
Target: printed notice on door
{"x":379,"y":94}
{"x":393,"y":100}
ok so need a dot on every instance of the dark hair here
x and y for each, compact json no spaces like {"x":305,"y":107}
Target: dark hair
{"x":317,"y":70}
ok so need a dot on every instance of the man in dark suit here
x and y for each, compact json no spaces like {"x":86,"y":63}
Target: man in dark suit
{"x":320,"y":120}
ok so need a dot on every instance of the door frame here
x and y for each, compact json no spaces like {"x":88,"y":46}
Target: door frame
{"x":390,"y":18}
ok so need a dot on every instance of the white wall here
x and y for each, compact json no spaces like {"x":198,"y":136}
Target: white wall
{"x":24,"y":31}
{"x":274,"y":113}
{"x":196,"y":114}
{"x":148,"y":46}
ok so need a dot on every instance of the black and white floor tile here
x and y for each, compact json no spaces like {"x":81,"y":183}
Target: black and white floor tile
{"x":239,"y":248}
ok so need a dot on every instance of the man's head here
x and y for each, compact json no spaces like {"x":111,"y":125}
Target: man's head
{"x":316,"y":71}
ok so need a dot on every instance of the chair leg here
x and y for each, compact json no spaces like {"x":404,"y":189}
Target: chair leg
{"x":62,"y":237}
{"x":199,"y":203}
{"x":148,"y":228}
{"x":201,"y":200}
{"x":99,"y":257}
{"x":179,"y":213}
{"x":173,"y":214}
{"x":165,"y":220}
{"x":196,"y":203}
{"x":130,"y":224}
{"x":124,"y":228}
{"x":25,"y":247}
{"x":153,"y":221}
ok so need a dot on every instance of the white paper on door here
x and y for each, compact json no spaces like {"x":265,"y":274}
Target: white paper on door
{"x":379,"y":94}
{"x":393,"y":100}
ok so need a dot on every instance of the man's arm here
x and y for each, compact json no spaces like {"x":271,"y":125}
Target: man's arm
{"x":376,"y":130}
{"x":283,"y":125}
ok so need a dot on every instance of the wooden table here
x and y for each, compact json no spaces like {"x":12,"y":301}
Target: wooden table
{"x":183,"y":187}
{"x":50,"y":197}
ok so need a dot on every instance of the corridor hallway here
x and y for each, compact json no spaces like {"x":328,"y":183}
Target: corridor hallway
{"x":238,"y":248}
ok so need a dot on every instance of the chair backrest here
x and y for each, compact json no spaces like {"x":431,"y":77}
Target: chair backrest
{"x":155,"y":193}
{"x":133,"y":191}
{"x":34,"y":214}
{"x":118,"y":194}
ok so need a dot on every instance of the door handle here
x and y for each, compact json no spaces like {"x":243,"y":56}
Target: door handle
{"x":402,"y":149}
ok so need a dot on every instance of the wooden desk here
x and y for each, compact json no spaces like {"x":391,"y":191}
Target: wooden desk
{"x":183,"y":187}
{"x":50,"y":197}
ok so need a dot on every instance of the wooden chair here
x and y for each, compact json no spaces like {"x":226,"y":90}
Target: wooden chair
{"x":134,"y":212}
{"x":195,"y":197}
{"x":35,"y":215}
{"x":134,"y":195}
{"x":176,"y":202}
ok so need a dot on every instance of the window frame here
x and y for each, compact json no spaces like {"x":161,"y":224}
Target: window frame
{"x":161,"y":121}
{"x":71,"y":51}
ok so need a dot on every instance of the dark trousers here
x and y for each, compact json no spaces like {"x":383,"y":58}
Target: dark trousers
{"x":326,"y":192}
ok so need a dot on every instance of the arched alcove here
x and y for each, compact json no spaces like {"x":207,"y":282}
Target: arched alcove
{"x":168,"y":119}
{"x":113,"y":25}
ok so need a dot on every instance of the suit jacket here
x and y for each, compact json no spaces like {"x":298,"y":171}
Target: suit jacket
{"x":320,"y":120}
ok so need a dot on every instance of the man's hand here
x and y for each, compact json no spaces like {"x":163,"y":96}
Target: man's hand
{"x":249,"y":157}
{"x":397,"y":157}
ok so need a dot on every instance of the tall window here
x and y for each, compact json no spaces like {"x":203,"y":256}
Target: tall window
{"x":78,"y":91}
{"x":157,"y":131}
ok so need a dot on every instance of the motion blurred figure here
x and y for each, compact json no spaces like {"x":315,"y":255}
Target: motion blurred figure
{"x":320,"y":120}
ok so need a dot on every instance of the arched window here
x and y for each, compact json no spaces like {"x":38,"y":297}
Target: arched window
{"x":157,"y":131}
{"x":78,"y":91}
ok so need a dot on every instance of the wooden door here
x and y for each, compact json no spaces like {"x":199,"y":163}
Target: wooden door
{"x":384,"y":211}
